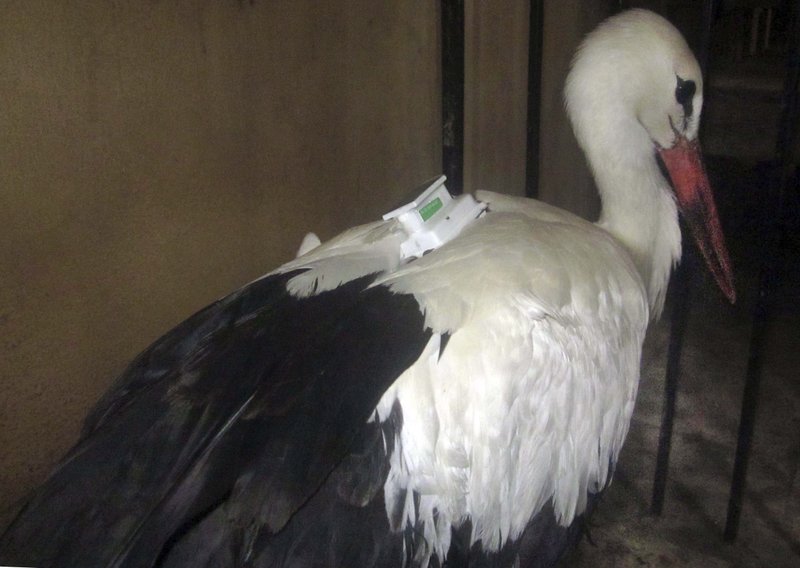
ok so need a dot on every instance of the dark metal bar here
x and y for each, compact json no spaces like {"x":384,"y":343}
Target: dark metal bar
{"x":748,"y":413}
{"x":771,"y":231}
{"x":679,"y":319}
{"x":704,"y":55}
{"x":681,"y":293}
{"x":535,"y":37}
{"x":452,"y":27}
{"x":787,"y":129}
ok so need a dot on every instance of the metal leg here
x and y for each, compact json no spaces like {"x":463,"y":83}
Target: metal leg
{"x":681,"y":288}
{"x":680,"y":317}
{"x":749,"y":404}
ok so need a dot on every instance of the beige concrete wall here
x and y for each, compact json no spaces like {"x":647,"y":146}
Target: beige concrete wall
{"x":496,"y":95}
{"x":157,"y":155}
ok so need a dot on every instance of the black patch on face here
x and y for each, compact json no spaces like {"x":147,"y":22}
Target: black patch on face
{"x":684,"y":93}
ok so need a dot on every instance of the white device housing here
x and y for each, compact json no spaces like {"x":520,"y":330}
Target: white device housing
{"x":434,"y":218}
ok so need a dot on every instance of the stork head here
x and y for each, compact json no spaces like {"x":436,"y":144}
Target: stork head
{"x":634,"y":96}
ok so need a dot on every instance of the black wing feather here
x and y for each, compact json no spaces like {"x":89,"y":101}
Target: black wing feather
{"x":239,"y":414}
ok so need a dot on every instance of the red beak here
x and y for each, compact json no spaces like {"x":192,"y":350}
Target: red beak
{"x":695,"y":200}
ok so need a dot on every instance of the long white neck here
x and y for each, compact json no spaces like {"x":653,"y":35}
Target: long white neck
{"x":638,"y":207}
{"x":622,"y":77}
{"x":640,"y":212}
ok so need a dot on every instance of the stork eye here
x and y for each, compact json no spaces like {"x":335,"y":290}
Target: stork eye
{"x":684,"y":93}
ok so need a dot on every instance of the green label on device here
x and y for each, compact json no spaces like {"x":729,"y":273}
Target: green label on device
{"x":430,"y":209}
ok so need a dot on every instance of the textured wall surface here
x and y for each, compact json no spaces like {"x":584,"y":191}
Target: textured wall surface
{"x":157,"y":155}
{"x":496,"y":95}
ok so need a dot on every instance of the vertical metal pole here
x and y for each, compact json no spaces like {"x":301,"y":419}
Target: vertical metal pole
{"x":535,"y":37}
{"x":453,"y":93}
{"x":749,"y":405}
{"x":771,"y":231}
{"x":681,"y":292}
{"x":680,"y":316}
{"x":704,"y":57}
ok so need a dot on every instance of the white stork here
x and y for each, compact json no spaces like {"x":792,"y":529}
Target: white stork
{"x":355,"y":409}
